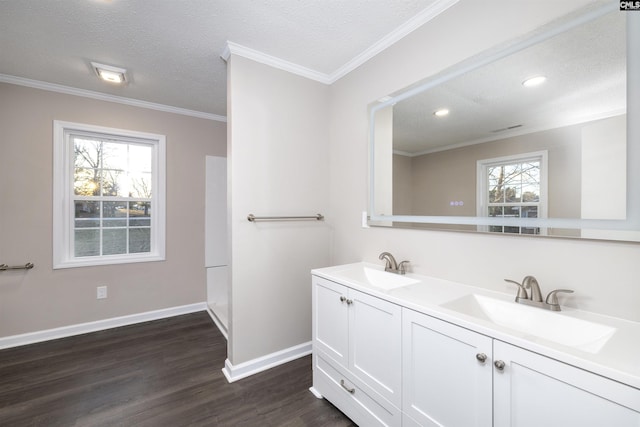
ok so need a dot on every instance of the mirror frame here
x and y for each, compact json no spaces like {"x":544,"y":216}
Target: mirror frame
{"x":632,"y":221}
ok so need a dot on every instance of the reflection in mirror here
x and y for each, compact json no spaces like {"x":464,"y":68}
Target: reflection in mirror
{"x":528,"y":139}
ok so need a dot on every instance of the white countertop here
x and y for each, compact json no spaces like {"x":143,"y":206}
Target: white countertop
{"x":618,"y":358}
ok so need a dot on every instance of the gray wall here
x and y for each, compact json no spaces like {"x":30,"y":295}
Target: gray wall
{"x":44,"y":298}
{"x":444,"y":176}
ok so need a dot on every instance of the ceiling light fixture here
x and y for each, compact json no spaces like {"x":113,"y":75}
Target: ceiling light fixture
{"x":109,"y":73}
{"x":441,"y":112}
{"x":534,"y":81}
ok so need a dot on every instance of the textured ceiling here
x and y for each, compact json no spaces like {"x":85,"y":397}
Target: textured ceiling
{"x":171,"y":48}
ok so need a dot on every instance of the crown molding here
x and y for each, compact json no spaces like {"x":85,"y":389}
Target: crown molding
{"x":408,"y":27}
{"x":263,"y":58}
{"x":52,"y":87}
{"x":393,"y":37}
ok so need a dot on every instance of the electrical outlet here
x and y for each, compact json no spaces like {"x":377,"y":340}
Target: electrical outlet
{"x":101,"y":292}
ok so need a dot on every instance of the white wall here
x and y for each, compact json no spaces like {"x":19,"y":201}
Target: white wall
{"x":278,"y":165}
{"x":603,"y":274}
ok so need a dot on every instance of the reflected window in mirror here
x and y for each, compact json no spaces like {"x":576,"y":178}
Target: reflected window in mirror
{"x":513,"y":187}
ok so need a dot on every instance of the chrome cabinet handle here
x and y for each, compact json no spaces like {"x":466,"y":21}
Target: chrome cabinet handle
{"x":481,"y":357}
{"x":343,"y":298}
{"x":344,"y":386}
{"x":349,"y":301}
{"x":499,"y":364}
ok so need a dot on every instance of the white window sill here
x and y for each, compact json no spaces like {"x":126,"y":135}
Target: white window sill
{"x":106,"y":260}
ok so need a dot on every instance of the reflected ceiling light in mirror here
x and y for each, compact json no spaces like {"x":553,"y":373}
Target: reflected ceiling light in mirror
{"x":534,"y":81}
{"x":441,"y":112}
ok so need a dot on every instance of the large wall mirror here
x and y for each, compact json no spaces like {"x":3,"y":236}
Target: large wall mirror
{"x":537,"y":137}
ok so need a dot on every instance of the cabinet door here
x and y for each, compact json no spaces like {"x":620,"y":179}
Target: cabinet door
{"x":534,"y":390}
{"x":375,"y":344}
{"x":445,"y":380}
{"x":330,"y":319}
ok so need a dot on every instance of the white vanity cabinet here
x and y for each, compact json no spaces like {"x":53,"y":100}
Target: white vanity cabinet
{"x":391,"y":351}
{"x":357,"y":353}
{"x":446,"y":374}
{"x":533,"y":390}
{"x":455,"y":377}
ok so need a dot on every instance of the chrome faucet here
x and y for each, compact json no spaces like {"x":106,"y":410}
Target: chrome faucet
{"x":530,"y":283}
{"x":535,"y":297}
{"x":391,"y":265}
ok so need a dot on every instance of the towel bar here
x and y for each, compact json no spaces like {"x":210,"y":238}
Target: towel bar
{"x":253,"y":218}
{"x":27,"y":266}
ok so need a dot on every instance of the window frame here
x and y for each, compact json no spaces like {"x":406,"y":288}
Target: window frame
{"x":63,"y":195}
{"x":483,"y":187}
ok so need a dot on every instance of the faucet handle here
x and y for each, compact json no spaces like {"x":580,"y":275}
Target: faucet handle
{"x":401,"y":267}
{"x":522,"y":292}
{"x":552,"y":297}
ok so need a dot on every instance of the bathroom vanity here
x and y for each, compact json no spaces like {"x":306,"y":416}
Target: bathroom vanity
{"x":411,"y":350}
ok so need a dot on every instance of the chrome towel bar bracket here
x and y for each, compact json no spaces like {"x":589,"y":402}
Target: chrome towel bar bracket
{"x":253,"y":218}
{"x":27,"y":266}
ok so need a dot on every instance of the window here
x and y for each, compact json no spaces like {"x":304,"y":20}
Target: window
{"x":108,"y":196}
{"x":513,"y":187}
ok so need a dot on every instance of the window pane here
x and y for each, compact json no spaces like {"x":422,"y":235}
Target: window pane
{"x":511,"y":173}
{"x":86,"y":182}
{"x":140,"y":214}
{"x":115,"y":156}
{"x":525,"y":230}
{"x":531,"y":193}
{"x":496,"y":174}
{"x":512,"y":230}
{"x":496,"y":194}
{"x":512,"y":211}
{"x":114,"y":241}
{"x":87,"y":153}
{"x":87,"y":214}
{"x":140,"y":185}
{"x":113,"y":182}
{"x":530,"y":212}
{"x":512,"y":194}
{"x":139,"y":240}
{"x":114,"y":214}
{"x":496,"y":211}
{"x":140,"y":158}
{"x":531,"y":172}
{"x":87,"y":242}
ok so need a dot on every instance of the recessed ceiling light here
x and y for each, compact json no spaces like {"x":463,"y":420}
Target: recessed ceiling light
{"x":534,"y":81}
{"x":441,"y":112}
{"x":109,"y":73}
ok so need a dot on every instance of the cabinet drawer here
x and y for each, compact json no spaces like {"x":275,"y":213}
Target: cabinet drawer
{"x":365,"y":408}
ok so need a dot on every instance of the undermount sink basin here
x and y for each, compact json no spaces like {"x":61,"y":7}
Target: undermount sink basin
{"x":376,"y":278}
{"x":553,"y":326}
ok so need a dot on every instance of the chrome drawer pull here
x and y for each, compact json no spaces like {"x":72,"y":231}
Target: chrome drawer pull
{"x":344,"y":386}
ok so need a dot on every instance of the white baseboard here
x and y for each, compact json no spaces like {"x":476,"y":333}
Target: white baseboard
{"x":218,"y":323}
{"x":315,"y":392}
{"x":99,"y":325}
{"x":251,"y":367}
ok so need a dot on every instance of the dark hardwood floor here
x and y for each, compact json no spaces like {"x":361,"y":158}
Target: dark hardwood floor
{"x":161,"y":373}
